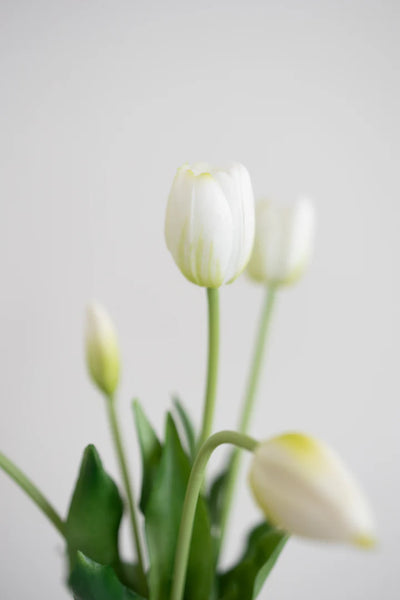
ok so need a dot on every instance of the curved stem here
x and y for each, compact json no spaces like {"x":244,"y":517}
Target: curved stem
{"x":212,"y":368}
{"x":248,"y":405}
{"x":127,"y":483}
{"x":33,"y":492}
{"x":192,"y":494}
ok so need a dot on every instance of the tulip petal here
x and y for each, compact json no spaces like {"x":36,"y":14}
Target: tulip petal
{"x":299,"y":238}
{"x":198,"y":228}
{"x":236,"y":184}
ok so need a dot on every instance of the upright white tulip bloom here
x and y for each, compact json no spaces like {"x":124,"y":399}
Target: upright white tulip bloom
{"x":102,"y":352}
{"x":302,"y":486}
{"x":209,"y":226}
{"x":283,"y":241}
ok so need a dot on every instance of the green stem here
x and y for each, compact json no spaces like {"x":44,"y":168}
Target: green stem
{"x":212,"y":368}
{"x":192,"y":494}
{"x":115,"y":430}
{"x":248,"y":405}
{"x":32,"y":491}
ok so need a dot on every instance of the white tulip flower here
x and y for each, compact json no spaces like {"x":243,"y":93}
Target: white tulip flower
{"x":283,"y":241}
{"x":302,"y":486}
{"x":209,"y":227}
{"x":102,"y":352}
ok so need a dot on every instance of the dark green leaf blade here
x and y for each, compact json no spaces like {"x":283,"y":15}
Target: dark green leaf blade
{"x":92,"y":581}
{"x":215,"y":497}
{"x":95,"y":513}
{"x":150,"y":448}
{"x":163,"y":515}
{"x":187,"y":425}
{"x":245,"y":580}
{"x":130,"y":575}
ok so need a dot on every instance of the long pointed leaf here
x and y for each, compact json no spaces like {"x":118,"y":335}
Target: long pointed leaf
{"x":187,"y":426}
{"x":245,"y":580}
{"x":92,"y":581}
{"x":95,"y":513}
{"x":151,"y":452}
{"x":163,"y":515}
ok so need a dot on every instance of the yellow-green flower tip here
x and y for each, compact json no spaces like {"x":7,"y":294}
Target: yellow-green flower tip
{"x":365,"y":541}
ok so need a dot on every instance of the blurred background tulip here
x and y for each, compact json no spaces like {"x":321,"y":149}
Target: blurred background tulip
{"x":283,"y":241}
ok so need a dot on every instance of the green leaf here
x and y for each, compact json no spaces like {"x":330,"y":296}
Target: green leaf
{"x":162,"y":519}
{"x":94,"y":514}
{"x":150,"y":448}
{"x":215,"y":499}
{"x":187,"y":425}
{"x":91,"y":581}
{"x":245,"y":580}
{"x":130,"y":575}
{"x":216,"y":496}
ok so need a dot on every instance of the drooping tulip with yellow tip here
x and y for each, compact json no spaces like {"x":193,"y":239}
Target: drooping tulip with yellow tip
{"x":302,"y":486}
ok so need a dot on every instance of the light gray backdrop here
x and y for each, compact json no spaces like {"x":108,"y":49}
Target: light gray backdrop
{"x":100,"y":102}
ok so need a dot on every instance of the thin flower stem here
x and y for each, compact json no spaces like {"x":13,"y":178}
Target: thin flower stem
{"x":115,"y":430}
{"x":192,"y":494}
{"x":33,"y":492}
{"x":212,"y":368}
{"x":248,"y":405}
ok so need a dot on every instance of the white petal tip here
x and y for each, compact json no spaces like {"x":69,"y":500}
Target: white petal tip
{"x":93,"y":307}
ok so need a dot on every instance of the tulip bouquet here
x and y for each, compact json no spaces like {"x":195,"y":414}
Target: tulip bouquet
{"x":179,"y":521}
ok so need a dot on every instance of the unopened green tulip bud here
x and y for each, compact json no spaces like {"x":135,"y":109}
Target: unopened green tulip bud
{"x":303,"y":487}
{"x":102,"y":352}
{"x":283,"y":242}
{"x":209,"y":226}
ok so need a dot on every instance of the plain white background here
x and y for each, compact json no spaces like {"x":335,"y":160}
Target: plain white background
{"x":100,"y":102}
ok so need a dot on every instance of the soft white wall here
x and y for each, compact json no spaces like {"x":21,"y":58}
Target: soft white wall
{"x":100,"y":102}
